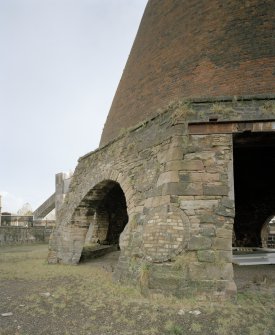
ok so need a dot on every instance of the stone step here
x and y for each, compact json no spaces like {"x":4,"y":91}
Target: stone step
{"x":98,"y":251}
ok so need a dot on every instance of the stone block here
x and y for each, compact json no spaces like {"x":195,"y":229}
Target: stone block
{"x":210,"y":271}
{"x":208,"y":231}
{"x":207,"y":218}
{"x":182,"y":188}
{"x":220,"y":243}
{"x":215,"y":189}
{"x":201,"y":141}
{"x":225,"y":211}
{"x":194,"y":220}
{"x":184,"y":177}
{"x":214,"y":167}
{"x":154,"y":192}
{"x":198,"y":204}
{"x":224,"y":233}
{"x":173,"y":165}
{"x":199,"y":243}
{"x":224,"y":256}
{"x":192,"y":165}
{"x":165,"y":277}
{"x":221,"y":140}
{"x":206,"y":256}
{"x":172,"y":154}
{"x":183,"y":165}
{"x":200,"y":155}
{"x":157,"y":201}
{"x":228,"y":203}
{"x":200,"y":177}
{"x":175,"y":200}
{"x":179,"y":141}
{"x":168,"y":177}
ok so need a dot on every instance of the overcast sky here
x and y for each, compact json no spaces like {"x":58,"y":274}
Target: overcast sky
{"x":60,"y":64}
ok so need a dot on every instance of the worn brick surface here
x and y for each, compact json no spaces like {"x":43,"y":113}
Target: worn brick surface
{"x":194,"y":49}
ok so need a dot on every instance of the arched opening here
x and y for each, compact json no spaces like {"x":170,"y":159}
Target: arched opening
{"x":268,"y":233}
{"x":110,"y":216}
{"x":104,"y":212}
{"x":254,"y":183}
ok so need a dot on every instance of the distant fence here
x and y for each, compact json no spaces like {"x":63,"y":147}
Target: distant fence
{"x":24,"y":235}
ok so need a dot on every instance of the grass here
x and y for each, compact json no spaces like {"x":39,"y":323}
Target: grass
{"x":83,"y":299}
{"x":173,"y":329}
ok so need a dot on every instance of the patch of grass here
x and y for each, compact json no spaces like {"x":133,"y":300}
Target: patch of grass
{"x":150,"y":331}
{"x":222,"y":111}
{"x":268,"y":108}
{"x":84,"y":300}
{"x":196,"y":327}
{"x":181,"y":111}
{"x":144,"y":277}
{"x":173,"y":329}
{"x":180,"y":262}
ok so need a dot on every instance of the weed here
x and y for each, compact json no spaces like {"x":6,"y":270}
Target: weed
{"x":134,"y":222}
{"x":122,"y":132}
{"x":150,"y":331}
{"x":221,"y":110}
{"x":196,"y":327}
{"x":144,"y":275}
{"x":130,"y":147}
{"x":268,"y":108}
{"x":173,"y":329}
{"x":180,"y":262}
{"x":181,"y":111}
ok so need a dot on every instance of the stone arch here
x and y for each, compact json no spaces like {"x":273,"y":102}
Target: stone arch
{"x":94,"y":180}
{"x":74,"y":216}
{"x":268,"y":233}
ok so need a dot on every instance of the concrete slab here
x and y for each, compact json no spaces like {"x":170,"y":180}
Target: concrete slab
{"x":254,"y":258}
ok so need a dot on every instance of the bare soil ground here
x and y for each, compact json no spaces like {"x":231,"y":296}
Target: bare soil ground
{"x":59,"y":299}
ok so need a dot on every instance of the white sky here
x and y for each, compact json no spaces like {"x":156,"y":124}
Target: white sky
{"x":60,"y":64}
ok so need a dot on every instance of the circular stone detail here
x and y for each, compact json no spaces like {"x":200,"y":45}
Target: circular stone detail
{"x":165,"y":233}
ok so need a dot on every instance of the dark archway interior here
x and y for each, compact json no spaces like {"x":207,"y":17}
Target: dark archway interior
{"x":114,"y":205}
{"x":103,"y":211}
{"x":254,"y":183}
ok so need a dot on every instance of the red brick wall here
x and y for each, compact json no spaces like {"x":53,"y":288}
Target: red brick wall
{"x":195,"y":48}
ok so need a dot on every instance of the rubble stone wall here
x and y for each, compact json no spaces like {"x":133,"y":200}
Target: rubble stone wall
{"x":179,"y":192}
{"x":24,"y":235}
{"x":180,"y":202}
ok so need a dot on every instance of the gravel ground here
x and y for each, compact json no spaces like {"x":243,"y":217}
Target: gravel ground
{"x":58,"y":299}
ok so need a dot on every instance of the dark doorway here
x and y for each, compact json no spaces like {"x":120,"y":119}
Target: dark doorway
{"x":104,"y":212}
{"x":114,"y":205}
{"x":254,"y":183}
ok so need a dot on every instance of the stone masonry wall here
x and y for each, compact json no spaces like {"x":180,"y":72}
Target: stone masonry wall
{"x":185,"y":236}
{"x":24,"y":235}
{"x":180,"y":201}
